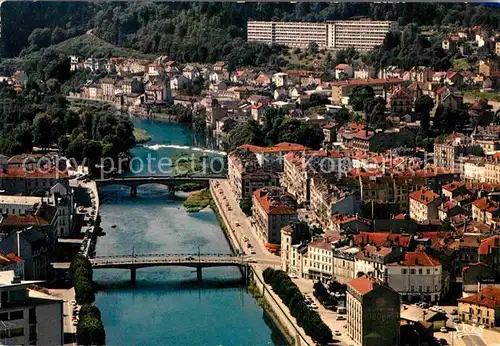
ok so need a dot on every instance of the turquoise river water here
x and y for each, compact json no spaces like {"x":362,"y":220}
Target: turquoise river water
{"x":167,"y":306}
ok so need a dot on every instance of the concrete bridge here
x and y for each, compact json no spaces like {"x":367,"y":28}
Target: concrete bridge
{"x":137,"y":261}
{"x":170,"y":181}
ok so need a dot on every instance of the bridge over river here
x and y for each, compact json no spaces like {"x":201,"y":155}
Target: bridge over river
{"x":170,"y":181}
{"x":138,"y":261}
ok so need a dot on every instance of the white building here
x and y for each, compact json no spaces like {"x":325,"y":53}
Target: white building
{"x":343,"y":264}
{"x":29,"y":317}
{"x":320,"y":254}
{"x":372,"y":261}
{"x":417,"y":277}
{"x":360,"y":34}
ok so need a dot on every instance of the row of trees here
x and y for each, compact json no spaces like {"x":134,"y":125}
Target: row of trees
{"x":90,"y":330}
{"x":81,"y":270}
{"x":291,"y":296}
{"x":276,"y":128}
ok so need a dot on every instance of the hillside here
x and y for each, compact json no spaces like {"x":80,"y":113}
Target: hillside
{"x":90,"y":45}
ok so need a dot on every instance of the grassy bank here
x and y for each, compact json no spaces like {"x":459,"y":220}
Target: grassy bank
{"x":198,"y":200}
{"x":141,"y":136}
{"x":187,"y":163}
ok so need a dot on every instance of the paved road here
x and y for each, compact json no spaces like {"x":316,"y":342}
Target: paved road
{"x":264,"y":258}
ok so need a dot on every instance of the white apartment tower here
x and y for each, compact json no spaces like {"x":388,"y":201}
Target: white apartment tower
{"x":360,"y":34}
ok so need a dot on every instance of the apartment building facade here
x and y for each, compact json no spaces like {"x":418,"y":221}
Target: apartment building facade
{"x":273,"y":208}
{"x":416,"y":277}
{"x":29,"y":317}
{"x":320,"y":253}
{"x":360,"y":34}
{"x":424,"y":204}
{"x":373,"y":313}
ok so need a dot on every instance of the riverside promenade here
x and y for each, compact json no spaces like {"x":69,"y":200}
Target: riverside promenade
{"x":262,"y":259}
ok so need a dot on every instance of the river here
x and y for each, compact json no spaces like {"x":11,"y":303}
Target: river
{"x":167,"y":306}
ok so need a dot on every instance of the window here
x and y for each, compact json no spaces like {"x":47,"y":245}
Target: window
{"x":412,"y":271}
{"x":428,"y":271}
{"x":420,"y":288}
{"x":4,"y":316}
{"x":16,"y":332}
{"x":420,"y":271}
{"x":412,"y":288}
{"x":16,"y":315}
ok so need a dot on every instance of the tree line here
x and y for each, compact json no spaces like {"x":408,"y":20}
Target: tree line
{"x":90,"y":330}
{"x":290,"y":294}
{"x":275,"y":129}
{"x":205,"y":32}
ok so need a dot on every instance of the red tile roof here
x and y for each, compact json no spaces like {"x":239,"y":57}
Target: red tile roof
{"x":22,"y":220}
{"x":14,"y":258}
{"x":275,"y":206}
{"x":363,"y":134}
{"x":341,"y":66}
{"x":362,"y":285}
{"x":417,"y":258}
{"x":280,"y":147}
{"x":486,"y":205}
{"x":381,"y":239}
{"x":489,"y":243}
{"x":21,"y":172}
{"x":424,"y":196}
{"x":369,"y":82}
{"x":453,"y":186}
{"x":488,"y":297}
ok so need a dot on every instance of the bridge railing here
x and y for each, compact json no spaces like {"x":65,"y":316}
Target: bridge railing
{"x":169,"y":255}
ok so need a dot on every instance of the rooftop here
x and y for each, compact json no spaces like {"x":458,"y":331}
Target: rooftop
{"x":488,"y":297}
{"x":424,"y":196}
{"x":417,"y":258}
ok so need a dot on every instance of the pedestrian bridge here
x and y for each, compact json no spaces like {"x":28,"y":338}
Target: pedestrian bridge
{"x":170,"y":181}
{"x":138,"y":261}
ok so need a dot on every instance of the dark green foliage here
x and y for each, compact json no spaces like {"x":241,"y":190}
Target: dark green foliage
{"x":361,"y":97}
{"x":423,"y":106}
{"x":81,"y":270}
{"x":246,"y":206}
{"x":90,"y":330}
{"x":291,"y":297}
{"x":276,"y":129}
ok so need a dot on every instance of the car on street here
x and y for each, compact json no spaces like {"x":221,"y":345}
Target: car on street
{"x":237,"y":224}
{"x":75,"y":322}
{"x":454,"y":312}
{"x":456,"y":320}
{"x":189,"y":258}
{"x":337,"y":333}
{"x":292,"y":276}
{"x":313,"y":306}
{"x":253,"y":252}
{"x":340,"y":318}
{"x":443,"y":330}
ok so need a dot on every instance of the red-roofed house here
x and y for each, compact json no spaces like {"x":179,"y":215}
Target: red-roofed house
{"x":373,"y":313}
{"x":12,"y":262}
{"x":343,"y":71}
{"x":481,"y":308}
{"x":416,"y":277}
{"x":484,"y":210}
{"x":401,"y":101}
{"x":424,"y":205}
{"x":273,"y":208}
{"x":18,"y":180}
{"x":489,"y":250}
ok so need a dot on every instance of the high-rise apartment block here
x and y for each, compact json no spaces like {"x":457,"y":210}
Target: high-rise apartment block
{"x":360,"y":34}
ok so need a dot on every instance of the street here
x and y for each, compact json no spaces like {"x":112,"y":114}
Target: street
{"x":264,"y":258}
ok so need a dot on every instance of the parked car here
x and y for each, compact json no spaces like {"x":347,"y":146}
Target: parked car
{"x":337,"y":333}
{"x":454,"y":312}
{"x":313,"y":306}
{"x":253,"y":252}
{"x":340,"y":318}
{"x":456,"y":320}
{"x":75,"y":322}
{"x":443,"y":330}
{"x":73,"y":302}
{"x":292,"y":276}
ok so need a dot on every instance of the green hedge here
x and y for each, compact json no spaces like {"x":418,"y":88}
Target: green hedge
{"x":292,"y":297}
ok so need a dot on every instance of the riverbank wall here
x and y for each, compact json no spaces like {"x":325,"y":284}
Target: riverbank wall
{"x":279,"y":313}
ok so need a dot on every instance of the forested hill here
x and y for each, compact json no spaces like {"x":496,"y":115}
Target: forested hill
{"x":202,"y":32}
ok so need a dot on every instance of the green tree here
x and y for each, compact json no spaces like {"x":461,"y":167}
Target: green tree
{"x":90,"y":331}
{"x":312,"y":48}
{"x":423,"y":106}
{"x":361,"y":96}
{"x":42,"y":130}
{"x":446,"y":226}
{"x":246,"y":206}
